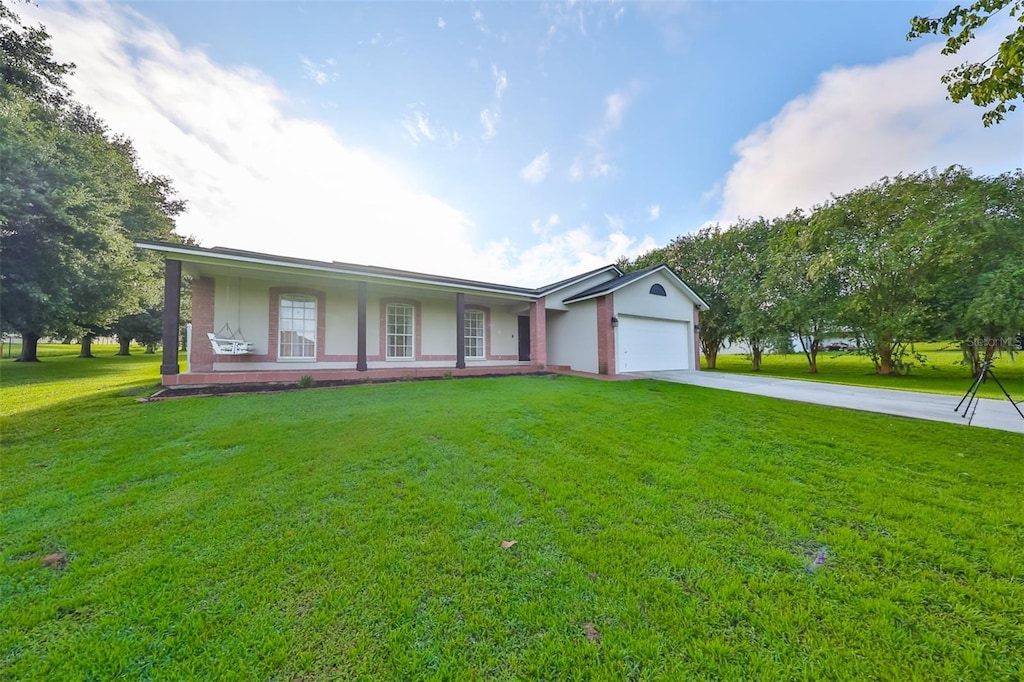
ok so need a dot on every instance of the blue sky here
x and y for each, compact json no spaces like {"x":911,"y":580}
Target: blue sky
{"x":515,"y":142}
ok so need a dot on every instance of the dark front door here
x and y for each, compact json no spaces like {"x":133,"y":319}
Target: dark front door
{"x":524,"y":338}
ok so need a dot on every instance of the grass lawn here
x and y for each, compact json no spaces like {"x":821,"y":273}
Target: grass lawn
{"x":941,"y":374}
{"x":663,"y":531}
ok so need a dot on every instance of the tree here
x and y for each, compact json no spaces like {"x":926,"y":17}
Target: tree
{"x":26,"y":61}
{"x":748,"y":286}
{"x":145,"y":328}
{"x":883,"y":242}
{"x":997,"y":80}
{"x":980,"y":275}
{"x":72,"y":200}
{"x":805,"y":296}
{"x":701,"y":260}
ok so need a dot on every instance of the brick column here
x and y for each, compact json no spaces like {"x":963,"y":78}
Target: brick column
{"x":696,"y":338}
{"x":172,"y":315}
{"x":202,"y":323}
{"x":605,"y":335}
{"x":538,"y":334}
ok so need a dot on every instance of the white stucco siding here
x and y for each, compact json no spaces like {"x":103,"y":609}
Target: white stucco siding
{"x":554,"y":300}
{"x":242,"y":304}
{"x":438,"y":333}
{"x":341,"y":321}
{"x":635,"y":299}
{"x":572,"y":337}
{"x":503,"y":330}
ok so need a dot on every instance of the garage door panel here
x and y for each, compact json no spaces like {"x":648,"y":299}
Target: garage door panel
{"x":645,"y":344}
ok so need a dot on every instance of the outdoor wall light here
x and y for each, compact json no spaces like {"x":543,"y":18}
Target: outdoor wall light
{"x":615,"y":321}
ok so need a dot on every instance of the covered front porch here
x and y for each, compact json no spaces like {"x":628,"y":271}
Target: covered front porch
{"x":291,"y":322}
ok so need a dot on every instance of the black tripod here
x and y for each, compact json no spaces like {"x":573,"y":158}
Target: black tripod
{"x":972,"y":393}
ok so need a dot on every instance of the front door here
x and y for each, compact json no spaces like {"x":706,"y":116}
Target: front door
{"x":524,"y":338}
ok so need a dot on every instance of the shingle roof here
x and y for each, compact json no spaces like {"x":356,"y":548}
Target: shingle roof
{"x":615,"y":284}
{"x":354,"y":268}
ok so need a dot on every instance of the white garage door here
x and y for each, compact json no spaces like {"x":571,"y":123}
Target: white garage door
{"x":644,"y":344}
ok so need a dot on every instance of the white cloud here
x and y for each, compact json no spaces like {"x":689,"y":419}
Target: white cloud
{"x":576,"y":171}
{"x":418,"y":126}
{"x":490,"y":115}
{"x":319,"y":73}
{"x":615,"y":223}
{"x":535,"y":171}
{"x":544,"y":228}
{"x":600,"y":167}
{"x":862,"y":123}
{"x":489,"y":120}
{"x":441,"y":22}
{"x":258,"y":178}
{"x":615,"y":109}
{"x":654,"y":212}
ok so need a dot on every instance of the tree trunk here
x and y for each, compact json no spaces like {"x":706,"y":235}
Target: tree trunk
{"x":990,"y":349}
{"x":885,"y":360}
{"x":711,"y":355}
{"x":29,"y":348}
{"x":755,"y":352}
{"x":970,"y":352}
{"x":124,"y":346}
{"x":150,"y":348}
{"x":86,"y":351}
{"x":812,"y":358}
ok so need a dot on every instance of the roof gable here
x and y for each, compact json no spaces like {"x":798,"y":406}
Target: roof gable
{"x":627,"y":279}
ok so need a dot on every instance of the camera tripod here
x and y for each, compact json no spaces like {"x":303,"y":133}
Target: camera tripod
{"x":972,"y":393}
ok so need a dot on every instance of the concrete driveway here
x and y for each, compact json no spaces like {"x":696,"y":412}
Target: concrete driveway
{"x":990,"y":414}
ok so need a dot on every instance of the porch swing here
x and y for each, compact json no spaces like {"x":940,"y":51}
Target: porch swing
{"x":228,"y":342}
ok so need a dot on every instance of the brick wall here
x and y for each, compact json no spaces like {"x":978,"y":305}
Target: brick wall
{"x":605,"y":335}
{"x":202,"y":323}
{"x":538,"y":334}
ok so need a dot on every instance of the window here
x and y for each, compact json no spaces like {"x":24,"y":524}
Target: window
{"x":400,"y":331}
{"x":475,"y":334}
{"x":297,"y":328}
{"x":657,"y":290}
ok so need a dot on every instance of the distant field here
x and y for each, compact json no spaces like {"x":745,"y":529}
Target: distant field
{"x":943,"y":372}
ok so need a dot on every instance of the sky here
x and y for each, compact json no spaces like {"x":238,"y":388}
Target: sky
{"x":518,"y":142}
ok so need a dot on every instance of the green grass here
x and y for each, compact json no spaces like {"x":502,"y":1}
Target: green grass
{"x":942,"y":373}
{"x":354,"y":534}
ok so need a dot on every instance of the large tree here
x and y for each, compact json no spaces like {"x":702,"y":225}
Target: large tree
{"x":805,"y":295}
{"x":748,"y":286}
{"x":979,"y":279}
{"x":999,"y":79}
{"x":72,"y":200}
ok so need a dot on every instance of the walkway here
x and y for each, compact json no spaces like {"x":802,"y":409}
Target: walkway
{"x":991,"y":414}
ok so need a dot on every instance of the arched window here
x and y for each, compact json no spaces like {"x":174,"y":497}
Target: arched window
{"x":657,"y":290}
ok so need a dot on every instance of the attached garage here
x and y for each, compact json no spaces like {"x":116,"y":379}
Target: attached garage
{"x":644,"y":321}
{"x":645,"y":344}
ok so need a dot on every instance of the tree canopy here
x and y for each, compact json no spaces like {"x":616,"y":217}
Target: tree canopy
{"x":999,"y":79}
{"x":924,"y":256}
{"x":73,"y":199}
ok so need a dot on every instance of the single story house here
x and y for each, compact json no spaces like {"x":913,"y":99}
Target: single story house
{"x":257,"y":317}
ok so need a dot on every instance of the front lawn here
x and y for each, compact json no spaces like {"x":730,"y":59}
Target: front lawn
{"x":943,"y":372}
{"x":662,"y":531}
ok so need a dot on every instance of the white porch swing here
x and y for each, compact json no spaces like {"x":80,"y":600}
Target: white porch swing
{"x":228,"y":342}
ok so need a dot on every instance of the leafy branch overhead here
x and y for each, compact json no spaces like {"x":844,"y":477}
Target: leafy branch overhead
{"x":999,"y":79}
